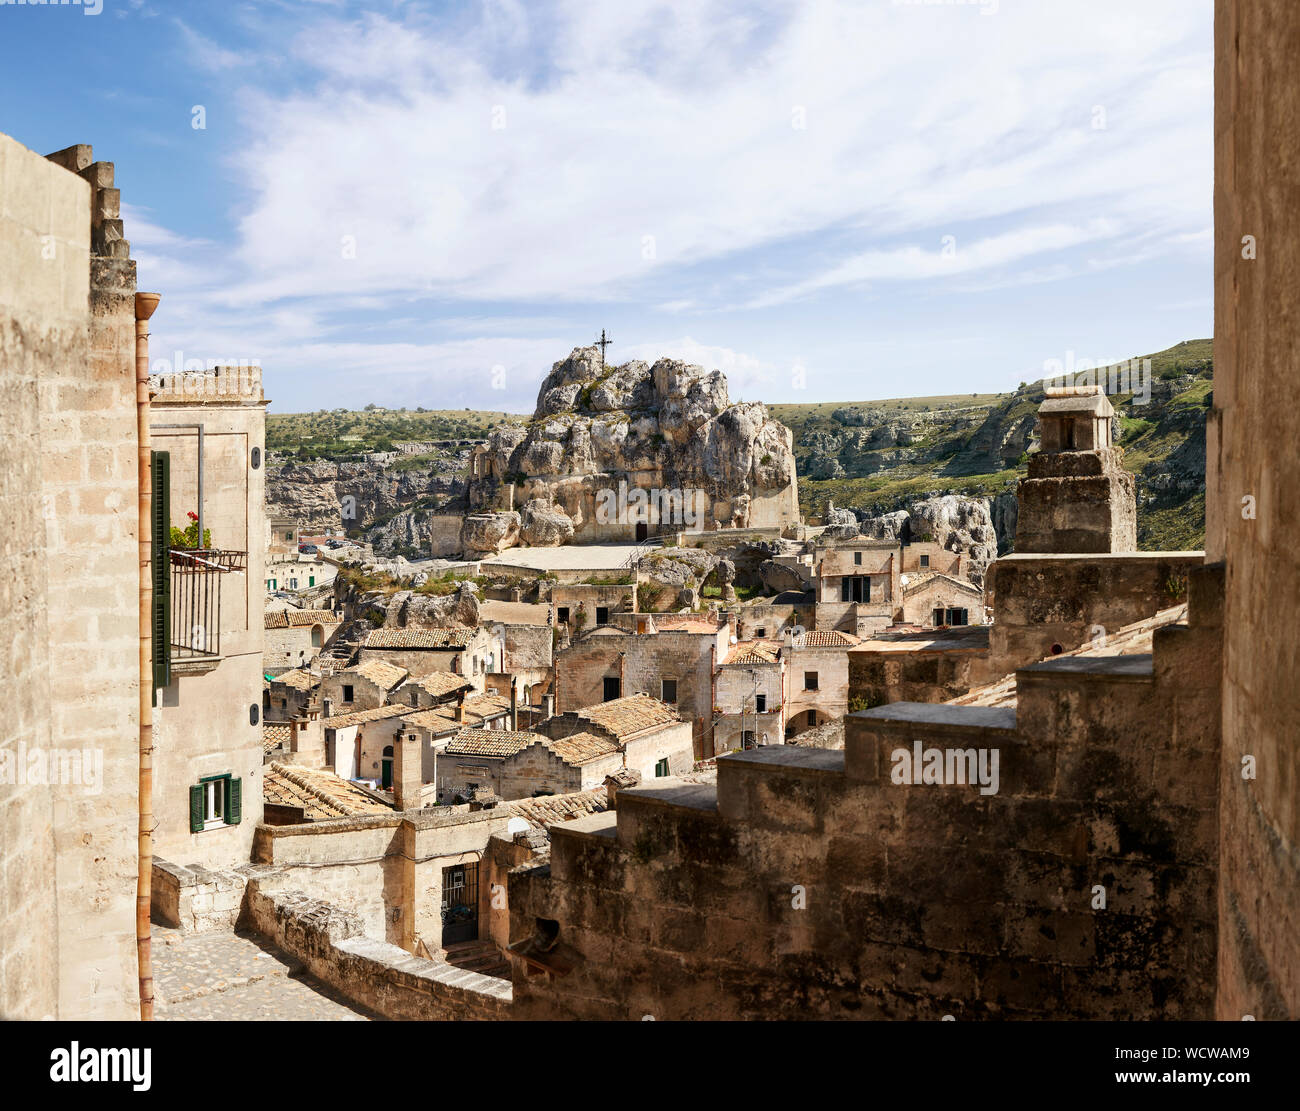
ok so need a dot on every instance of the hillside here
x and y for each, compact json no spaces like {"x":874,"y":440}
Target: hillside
{"x":872,"y":455}
{"x":880,"y":455}
{"x":338,"y":434}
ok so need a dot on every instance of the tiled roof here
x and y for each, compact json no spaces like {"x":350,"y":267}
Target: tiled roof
{"x":288,"y":618}
{"x":380,"y":672}
{"x":487,"y":705}
{"x":275,"y":734}
{"x":546,"y":810}
{"x":298,"y":678}
{"x":437,"y":719}
{"x":449,"y":639}
{"x":624,"y":716}
{"x":439,"y":684}
{"x":360,"y":717}
{"x":319,"y":793}
{"x":751,"y":652}
{"x":495,"y":744}
{"x":580,"y":748}
{"x":829,"y":638}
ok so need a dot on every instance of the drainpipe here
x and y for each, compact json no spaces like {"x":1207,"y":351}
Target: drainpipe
{"x":145,"y":304}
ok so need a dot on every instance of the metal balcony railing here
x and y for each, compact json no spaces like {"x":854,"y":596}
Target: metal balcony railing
{"x":196,"y":599}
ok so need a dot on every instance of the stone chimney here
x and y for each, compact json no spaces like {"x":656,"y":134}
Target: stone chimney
{"x":616,"y":781}
{"x":514,"y":708}
{"x":408,"y":775}
{"x":1077,"y":498}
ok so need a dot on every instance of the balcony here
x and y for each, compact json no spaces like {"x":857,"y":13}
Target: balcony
{"x":195,"y":606}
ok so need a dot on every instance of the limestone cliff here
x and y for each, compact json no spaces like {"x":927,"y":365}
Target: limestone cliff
{"x":601,"y":435}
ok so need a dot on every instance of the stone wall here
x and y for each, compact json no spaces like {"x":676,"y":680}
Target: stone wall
{"x":43,"y":333}
{"x":1041,"y":601}
{"x":1253,"y":471}
{"x":935,"y":670}
{"x":810,"y":884}
{"x":73,"y":321}
{"x":334,"y":947}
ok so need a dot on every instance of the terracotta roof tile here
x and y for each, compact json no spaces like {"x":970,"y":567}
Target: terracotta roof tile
{"x":298,"y":678}
{"x":750,"y":652}
{"x":320,"y":794}
{"x":624,"y":716}
{"x":580,"y":748}
{"x":447,"y":639}
{"x":380,"y":672}
{"x":547,"y":810}
{"x":275,"y":734}
{"x":360,"y":717}
{"x":495,"y":744}
{"x":439,"y":684}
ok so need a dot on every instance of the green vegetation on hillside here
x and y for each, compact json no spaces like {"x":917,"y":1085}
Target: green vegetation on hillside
{"x":342,"y":433}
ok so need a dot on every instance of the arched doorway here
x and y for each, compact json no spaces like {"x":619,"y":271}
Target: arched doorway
{"x":804,"y":721}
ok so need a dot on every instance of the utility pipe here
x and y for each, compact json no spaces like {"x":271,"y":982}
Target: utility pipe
{"x":145,"y":303}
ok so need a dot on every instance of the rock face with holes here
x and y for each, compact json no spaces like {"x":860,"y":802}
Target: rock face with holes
{"x":621,"y":453}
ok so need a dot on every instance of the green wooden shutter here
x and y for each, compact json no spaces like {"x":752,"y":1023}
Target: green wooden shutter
{"x":196,"y":808}
{"x":234,"y":801}
{"x":160,"y":562}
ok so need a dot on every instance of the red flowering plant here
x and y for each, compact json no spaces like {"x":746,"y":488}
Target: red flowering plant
{"x":188,"y":537}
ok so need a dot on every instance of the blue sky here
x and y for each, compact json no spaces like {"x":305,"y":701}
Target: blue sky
{"x":428,"y":204}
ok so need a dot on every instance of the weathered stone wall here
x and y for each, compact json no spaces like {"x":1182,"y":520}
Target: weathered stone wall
{"x":86,"y":396}
{"x":1253,"y":471}
{"x":335,"y":948}
{"x":810,"y":884}
{"x":1077,"y":501}
{"x":1044,"y":600}
{"x":642,"y":663}
{"x":878,"y":676}
{"x":830,"y":699}
{"x":43,"y":332}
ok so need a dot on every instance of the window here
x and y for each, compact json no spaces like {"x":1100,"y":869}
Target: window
{"x":855,"y":588}
{"x":612,"y":686}
{"x":810,"y":680}
{"x":668,"y":691}
{"x":311,"y":581}
{"x":562,"y":614}
{"x":347,"y":692}
{"x":160,"y":566}
{"x":661,"y":767}
{"x":761,"y":632}
{"x":857,"y":558}
{"x":602,"y":615}
{"x":925,"y":562}
{"x":317,"y":635}
{"x":938,"y":616}
{"x":215,"y":801}
{"x":760,"y":703}
{"x":415,"y":698}
{"x":957,"y":616}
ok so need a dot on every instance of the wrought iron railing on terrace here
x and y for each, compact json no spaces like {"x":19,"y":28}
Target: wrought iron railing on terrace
{"x":195,"y":601}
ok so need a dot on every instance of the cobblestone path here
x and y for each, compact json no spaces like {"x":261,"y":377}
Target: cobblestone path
{"x":234,"y":976}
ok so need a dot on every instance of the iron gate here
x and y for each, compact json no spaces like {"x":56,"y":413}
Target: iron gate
{"x":459,"y":904}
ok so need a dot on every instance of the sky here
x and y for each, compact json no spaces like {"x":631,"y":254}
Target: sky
{"x":428,"y":204}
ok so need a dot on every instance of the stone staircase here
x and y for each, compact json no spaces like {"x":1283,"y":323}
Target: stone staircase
{"x":479,"y":956}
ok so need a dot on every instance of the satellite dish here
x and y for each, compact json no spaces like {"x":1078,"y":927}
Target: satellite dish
{"x":733,"y":640}
{"x":903,"y":579}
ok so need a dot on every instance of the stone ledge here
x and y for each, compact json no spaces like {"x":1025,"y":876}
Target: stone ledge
{"x":937,"y":715}
{"x":1135,"y":667}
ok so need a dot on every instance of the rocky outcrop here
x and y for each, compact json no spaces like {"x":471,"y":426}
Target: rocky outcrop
{"x":484,"y":534}
{"x":607,"y":444}
{"x":389,"y":503}
{"x":543,"y":525}
{"x":957,"y":523}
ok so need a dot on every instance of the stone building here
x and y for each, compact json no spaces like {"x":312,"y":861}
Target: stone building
{"x":858,"y":586}
{"x":296,"y":637}
{"x":363,"y":686}
{"x":70,"y":581}
{"x":1077,"y":497}
{"x":749,"y":696}
{"x":289,"y":694}
{"x":817,"y":678}
{"x":523,"y":765}
{"x":672,"y":658}
{"x":471,"y":652}
{"x":652,"y":737}
{"x":933,"y":599}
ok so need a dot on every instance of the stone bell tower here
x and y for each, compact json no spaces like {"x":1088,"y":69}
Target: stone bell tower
{"x":1078,"y":496}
